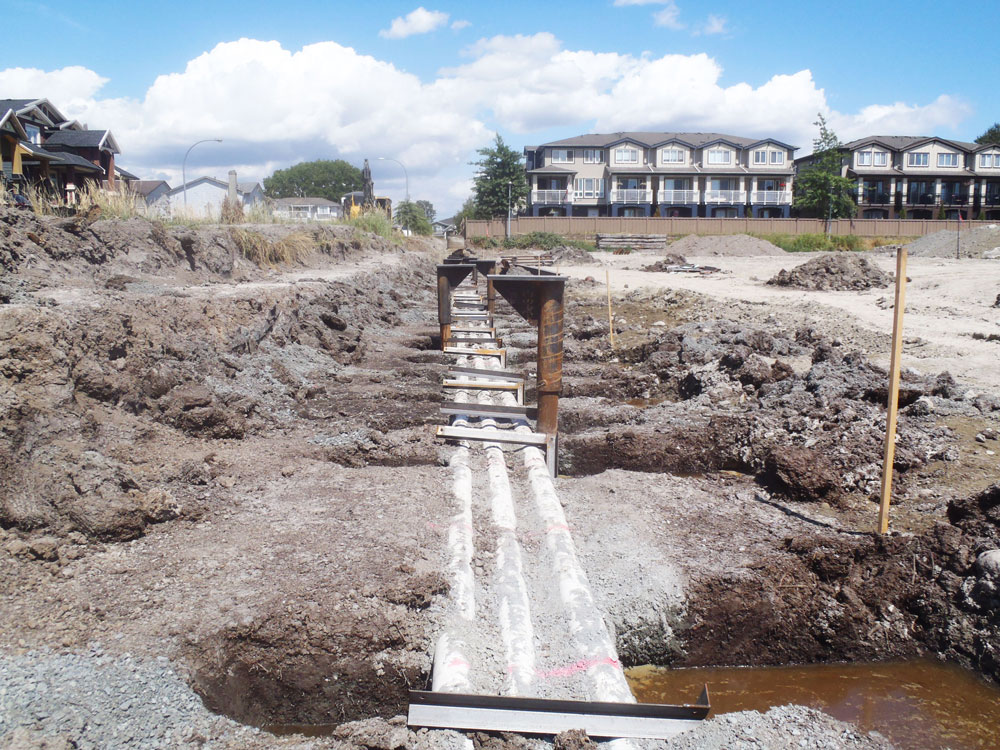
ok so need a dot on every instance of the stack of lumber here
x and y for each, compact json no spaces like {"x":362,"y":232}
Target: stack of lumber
{"x":634,"y":241}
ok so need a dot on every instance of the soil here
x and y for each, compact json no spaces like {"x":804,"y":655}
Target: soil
{"x":836,"y":271}
{"x":732,"y":245}
{"x":973,"y":243}
{"x":231,"y":467}
{"x":664,"y":264}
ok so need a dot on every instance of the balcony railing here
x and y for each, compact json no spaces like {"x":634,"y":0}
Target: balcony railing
{"x":551,"y":196}
{"x":631,"y":196}
{"x":771,"y":197}
{"x":992,"y":199}
{"x":725,"y":196}
{"x":678,"y":196}
{"x":872,"y":198}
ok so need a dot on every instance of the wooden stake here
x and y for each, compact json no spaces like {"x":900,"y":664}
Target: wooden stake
{"x":890,"y":419}
{"x":611,"y":320}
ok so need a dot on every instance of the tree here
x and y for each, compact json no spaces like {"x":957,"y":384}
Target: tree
{"x":820,"y":190}
{"x":990,"y":136}
{"x":315,"y":179}
{"x":428,"y":208}
{"x":499,"y":167}
{"x":410,"y":216}
{"x":468,"y":211}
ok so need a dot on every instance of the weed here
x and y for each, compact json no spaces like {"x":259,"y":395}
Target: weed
{"x":811,"y":243}
{"x":261,"y":251}
{"x":545,"y":241}
{"x":376,"y":222}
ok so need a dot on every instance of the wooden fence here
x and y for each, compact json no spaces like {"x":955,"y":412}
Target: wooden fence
{"x":590,"y":227}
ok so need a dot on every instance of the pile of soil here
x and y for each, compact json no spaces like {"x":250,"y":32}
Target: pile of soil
{"x":835,"y":271}
{"x":734,"y":245}
{"x":664,"y":264}
{"x":568,"y":254}
{"x":974,"y":243}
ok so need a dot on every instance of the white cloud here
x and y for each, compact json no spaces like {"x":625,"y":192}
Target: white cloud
{"x":714,"y":25}
{"x":460,"y":24}
{"x":520,"y":85}
{"x":419,"y":21}
{"x":668,"y":16}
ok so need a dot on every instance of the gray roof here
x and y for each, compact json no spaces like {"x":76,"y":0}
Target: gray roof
{"x":554,"y":169}
{"x":81,"y":139}
{"x":241,"y":187}
{"x":15,"y":104}
{"x":247,"y":187}
{"x":903,"y":142}
{"x":75,"y":160}
{"x":304,"y":202}
{"x":145,"y":187}
{"x":653,"y":138}
{"x":125,"y":174}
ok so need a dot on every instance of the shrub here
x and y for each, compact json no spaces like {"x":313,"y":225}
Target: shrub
{"x":374,"y":221}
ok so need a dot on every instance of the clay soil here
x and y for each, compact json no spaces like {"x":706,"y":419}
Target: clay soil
{"x":232,"y":467}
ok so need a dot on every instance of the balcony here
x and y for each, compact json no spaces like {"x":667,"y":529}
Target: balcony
{"x":725,"y":196}
{"x":771,"y":197}
{"x":992,"y":198}
{"x":872,"y":198}
{"x":551,"y":196}
{"x":678,"y":196}
{"x":631,"y":196}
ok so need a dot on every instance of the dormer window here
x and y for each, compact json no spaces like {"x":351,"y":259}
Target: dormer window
{"x":719,"y":156}
{"x":989,"y":160}
{"x":947,"y":160}
{"x":864,"y":158}
{"x":777,"y":157}
{"x":593,"y":156}
{"x":627,"y":155}
{"x":918,"y":159}
{"x":34,"y":134}
{"x":562,"y":156}
{"x":881,"y":158}
{"x":672,"y":156}
{"x":760,"y":157}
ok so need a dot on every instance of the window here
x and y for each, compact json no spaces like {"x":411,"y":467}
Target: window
{"x":947,"y":160}
{"x":777,"y":157}
{"x":593,"y":156}
{"x":760,"y":157}
{"x":627,"y":156}
{"x":34,"y":134}
{"x":589,"y":187}
{"x":562,"y":156}
{"x":672,"y":156}
{"x":987,"y":160}
{"x":864,"y":158}
{"x":881,"y":158}
{"x":918,"y":159}
{"x":719,"y":156}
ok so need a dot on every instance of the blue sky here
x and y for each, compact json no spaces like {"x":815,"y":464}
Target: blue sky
{"x":340,"y":83}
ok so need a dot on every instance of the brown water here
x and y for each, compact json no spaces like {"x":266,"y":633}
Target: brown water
{"x":919,"y":705}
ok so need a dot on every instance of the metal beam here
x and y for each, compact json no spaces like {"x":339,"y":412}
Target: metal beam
{"x":490,"y":436}
{"x":485,"y":373}
{"x":490,"y":410}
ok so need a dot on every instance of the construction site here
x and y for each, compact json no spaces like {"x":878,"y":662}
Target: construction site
{"x":301,"y":486}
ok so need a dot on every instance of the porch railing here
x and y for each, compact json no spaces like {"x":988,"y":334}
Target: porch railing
{"x":632,"y":196}
{"x":551,"y":196}
{"x":771,"y":197}
{"x":725,"y":196}
{"x":678,"y":196}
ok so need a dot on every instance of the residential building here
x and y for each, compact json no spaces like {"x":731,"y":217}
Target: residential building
{"x":665,"y":174}
{"x":307,"y":209}
{"x":921,"y":177}
{"x":443,"y":227}
{"x":54,"y":152}
{"x":203,"y":197}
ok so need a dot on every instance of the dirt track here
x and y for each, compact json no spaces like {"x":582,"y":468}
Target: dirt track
{"x":231,"y":468}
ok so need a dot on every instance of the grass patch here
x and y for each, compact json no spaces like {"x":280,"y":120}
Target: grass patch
{"x":812,"y":243}
{"x":375,"y":222}
{"x":545,"y":241}
{"x":261,"y":251}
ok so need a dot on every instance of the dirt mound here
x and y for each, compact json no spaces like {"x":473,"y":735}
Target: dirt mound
{"x":664,"y":264}
{"x":836,"y":271}
{"x":571,"y":255}
{"x":944,"y":244}
{"x":736,"y":245}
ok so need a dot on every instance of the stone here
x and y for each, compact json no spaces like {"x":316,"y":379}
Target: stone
{"x":44,"y":547}
{"x":287,"y":471}
{"x":17,"y":548}
{"x":988,"y":564}
{"x":227,"y":481}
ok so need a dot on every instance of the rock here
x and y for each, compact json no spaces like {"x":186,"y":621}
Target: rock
{"x":44,"y":547}
{"x":287,"y":471}
{"x":158,"y":505}
{"x":227,"y":481}
{"x":17,"y":548}
{"x":802,"y":474}
{"x":573,"y":739}
{"x":988,"y":564}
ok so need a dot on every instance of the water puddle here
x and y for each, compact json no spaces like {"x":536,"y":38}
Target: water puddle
{"x":918,"y":705}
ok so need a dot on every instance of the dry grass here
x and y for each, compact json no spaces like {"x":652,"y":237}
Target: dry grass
{"x":261,"y":251}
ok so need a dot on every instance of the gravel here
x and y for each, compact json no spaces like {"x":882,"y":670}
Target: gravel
{"x":732,"y":245}
{"x":974,"y":243}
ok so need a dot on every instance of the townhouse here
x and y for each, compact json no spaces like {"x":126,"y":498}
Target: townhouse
{"x":44,"y":148}
{"x":921,"y":177}
{"x":660,"y":174}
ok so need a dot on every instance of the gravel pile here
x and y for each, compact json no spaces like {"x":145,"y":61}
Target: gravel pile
{"x":733,"y":245}
{"x":974,"y":243}
{"x":836,"y":271}
{"x":94,"y":700}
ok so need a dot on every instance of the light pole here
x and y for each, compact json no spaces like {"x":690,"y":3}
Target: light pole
{"x":184,"y":167}
{"x":509,"y":186}
{"x":407,"y":176}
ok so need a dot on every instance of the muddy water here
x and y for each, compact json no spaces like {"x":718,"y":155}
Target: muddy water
{"x":920,"y":705}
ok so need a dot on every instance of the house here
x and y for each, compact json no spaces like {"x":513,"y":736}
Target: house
{"x":57,"y":153}
{"x":665,"y":174}
{"x":442,"y":227}
{"x":307,"y":209}
{"x":921,"y":177}
{"x":203,"y":197}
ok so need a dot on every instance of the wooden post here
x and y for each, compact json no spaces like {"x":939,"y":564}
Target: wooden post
{"x":890,"y":419}
{"x":611,"y":320}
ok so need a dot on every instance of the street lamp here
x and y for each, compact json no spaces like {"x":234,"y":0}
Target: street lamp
{"x":407,"y":176}
{"x":509,"y":186}
{"x":184,"y":167}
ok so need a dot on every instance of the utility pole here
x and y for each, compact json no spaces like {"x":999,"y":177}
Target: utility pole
{"x":510,"y":184}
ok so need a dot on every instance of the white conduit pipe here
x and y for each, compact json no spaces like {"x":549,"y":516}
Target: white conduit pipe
{"x":451,"y":665}
{"x":512,"y":591}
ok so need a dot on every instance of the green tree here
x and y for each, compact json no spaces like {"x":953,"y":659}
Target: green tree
{"x":410,"y":216}
{"x":820,"y":190}
{"x":499,"y":167}
{"x":468,"y":211}
{"x":428,"y":208}
{"x":314,"y":179}
{"x":990,"y":136}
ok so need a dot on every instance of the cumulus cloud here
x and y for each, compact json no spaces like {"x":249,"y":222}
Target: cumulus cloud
{"x":460,"y":24}
{"x":714,"y":25}
{"x":668,"y":17}
{"x":419,"y":21}
{"x":520,"y":85}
